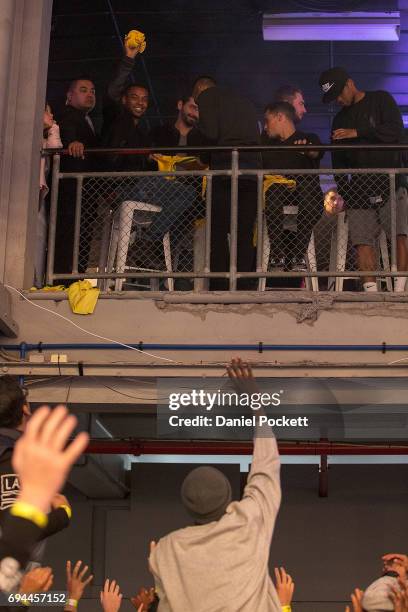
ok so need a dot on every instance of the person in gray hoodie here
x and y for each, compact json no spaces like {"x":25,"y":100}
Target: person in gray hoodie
{"x":221,"y":563}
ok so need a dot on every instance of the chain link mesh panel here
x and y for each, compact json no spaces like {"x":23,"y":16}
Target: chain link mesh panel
{"x":149,"y":223}
{"x":307,"y":231}
{"x":139,"y":223}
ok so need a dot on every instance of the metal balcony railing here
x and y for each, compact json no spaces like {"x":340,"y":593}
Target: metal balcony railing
{"x":146,"y":230}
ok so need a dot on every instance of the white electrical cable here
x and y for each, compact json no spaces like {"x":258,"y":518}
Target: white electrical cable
{"x":132,"y":348}
{"x":398,"y":361}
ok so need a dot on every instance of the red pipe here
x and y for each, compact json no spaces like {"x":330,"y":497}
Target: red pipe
{"x":200,"y":447}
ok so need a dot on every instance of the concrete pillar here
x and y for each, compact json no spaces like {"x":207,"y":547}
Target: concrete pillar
{"x":7,"y":24}
{"x":24,"y":32}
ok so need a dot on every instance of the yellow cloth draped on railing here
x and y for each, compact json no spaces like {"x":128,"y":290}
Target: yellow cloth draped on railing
{"x":276,"y":179}
{"x":168,"y":163}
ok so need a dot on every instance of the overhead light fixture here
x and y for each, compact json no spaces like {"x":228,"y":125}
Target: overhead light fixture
{"x":331,"y":26}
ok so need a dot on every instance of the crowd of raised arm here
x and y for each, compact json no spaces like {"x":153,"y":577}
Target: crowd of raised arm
{"x":230,"y":538}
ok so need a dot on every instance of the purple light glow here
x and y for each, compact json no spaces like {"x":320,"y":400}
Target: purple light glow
{"x":332,"y":26}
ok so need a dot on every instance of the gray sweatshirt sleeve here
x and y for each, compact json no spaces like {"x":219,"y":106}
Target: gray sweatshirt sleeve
{"x":263,"y":485}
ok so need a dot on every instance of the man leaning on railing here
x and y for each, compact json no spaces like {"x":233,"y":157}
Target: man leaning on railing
{"x":302,"y":191}
{"x":77,"y":134}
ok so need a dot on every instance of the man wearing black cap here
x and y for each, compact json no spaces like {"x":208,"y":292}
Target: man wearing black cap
{"x":221,"y":563}
{"x":367,"y":118}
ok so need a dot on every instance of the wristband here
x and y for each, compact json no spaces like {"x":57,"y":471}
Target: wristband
{"x":286,"y":608}
{"x":29,"y":512}
{"x":68,"y":510}
{"x":72,"y":602}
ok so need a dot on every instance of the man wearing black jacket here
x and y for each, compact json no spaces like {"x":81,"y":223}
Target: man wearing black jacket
{"x":182,"y":132}
{"x":14,"y":415}
{"x":227,"y":119}
{"x":42,"y":459}
{"x":367,"y":118}
{"x":126,"y":105}
{"x":306,"y":194}
{"x":77,"y":133}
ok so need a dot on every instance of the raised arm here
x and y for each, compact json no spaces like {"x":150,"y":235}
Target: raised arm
{"x":42,"y":461}
{"x":263,"y":485}
{"x":123,"y":72}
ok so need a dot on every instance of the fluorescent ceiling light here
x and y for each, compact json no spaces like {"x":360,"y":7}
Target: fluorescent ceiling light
{"x":331,"y":26}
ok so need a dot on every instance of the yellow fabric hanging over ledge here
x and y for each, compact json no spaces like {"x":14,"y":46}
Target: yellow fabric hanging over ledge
{"x":83,"y":297}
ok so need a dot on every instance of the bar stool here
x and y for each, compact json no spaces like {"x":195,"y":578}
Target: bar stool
{"x":133,"y":214}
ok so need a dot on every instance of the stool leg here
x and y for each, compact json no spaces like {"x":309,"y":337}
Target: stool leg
{"x":167,"y":259}
{"x":341,"y":243}
{"x":113,"y":247}
{"x":385,"y":258}
{"x":200,"y":284}
{"x":266,"y":252}
{"x":125,"y":227}
{"x":312,"y":265}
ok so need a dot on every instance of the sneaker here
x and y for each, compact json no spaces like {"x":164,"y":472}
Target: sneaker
{"x":278,"y":265}
{"x":298,"y":265}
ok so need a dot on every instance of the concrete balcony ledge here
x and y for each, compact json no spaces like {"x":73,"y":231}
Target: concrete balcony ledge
{"x":298,"y":332}
{"x":234,"y":297}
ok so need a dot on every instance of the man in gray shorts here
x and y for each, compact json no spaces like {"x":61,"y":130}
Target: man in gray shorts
{"x":365,"y":225}
{"x":371,"y":117}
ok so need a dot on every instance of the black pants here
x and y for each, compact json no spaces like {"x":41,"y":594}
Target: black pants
{"x":307,"y":196}
{"x":220,"y":228}
{"x":65,"y":229}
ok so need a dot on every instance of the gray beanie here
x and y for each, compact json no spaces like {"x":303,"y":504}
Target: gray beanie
{"x":376,"y":597}
{"x":205,"y":493}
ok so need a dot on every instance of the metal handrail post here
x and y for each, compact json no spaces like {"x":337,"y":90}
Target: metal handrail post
{"x":393,"y":202}
{"x":56,"y":160}
{"x":234,"y":220}
{"x":208,"y":204}
{"x":77,"y":227}
{"x":259,"y":235}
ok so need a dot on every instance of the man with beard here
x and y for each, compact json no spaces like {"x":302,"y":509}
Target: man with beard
{"x":293,"y":95}
{"x":185,"y":129}
{"x":186,"y":202}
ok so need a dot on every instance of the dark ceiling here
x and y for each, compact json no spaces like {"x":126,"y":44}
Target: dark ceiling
{"x":219,"y":37}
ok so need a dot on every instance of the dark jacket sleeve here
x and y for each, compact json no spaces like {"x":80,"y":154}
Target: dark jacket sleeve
{"x":391,"y":127}
{"x":314,"y":139}
{"x":340,"y":160}
{"x":117,"y":85}
{"x":69,"y":129}
{"x":57,"y":520}
{"x":112,"y":105}
{"x":208,"y":108}
{"x":18,"y":537}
